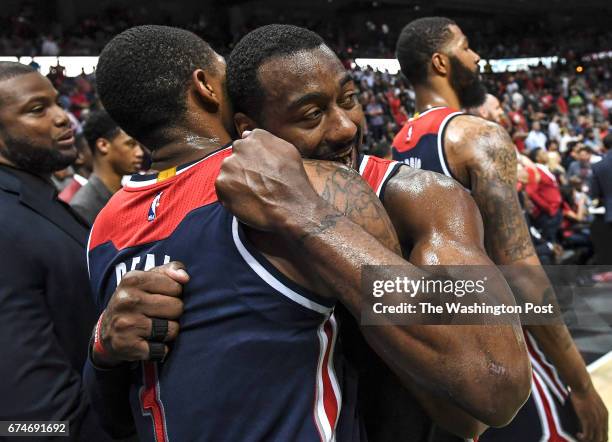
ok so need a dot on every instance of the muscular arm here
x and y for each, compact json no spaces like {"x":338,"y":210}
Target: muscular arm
{"x":472,"y":349}
{"x":491,"y":166}
{"x":446,"y":229}
{"x":263,"y":183}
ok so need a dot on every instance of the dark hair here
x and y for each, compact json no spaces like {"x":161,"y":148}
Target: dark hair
{"x":534,"y":153}
{"x":567,"y":193}
{"x":143,"y":76}
{"x":10,"y":69}
{"x":99,"y":125}
{"x":607,"y":142}
{"x":255,"y":48}
{"x":417,"y":42}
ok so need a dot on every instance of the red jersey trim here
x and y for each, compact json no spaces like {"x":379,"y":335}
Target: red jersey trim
{"x":142,"y":215}
{"x":430,"y":122}
{"x":376,"y":172}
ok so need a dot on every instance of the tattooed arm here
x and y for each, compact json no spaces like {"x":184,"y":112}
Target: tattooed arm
{"x":264,"y":184}
{"x":490,"y":172}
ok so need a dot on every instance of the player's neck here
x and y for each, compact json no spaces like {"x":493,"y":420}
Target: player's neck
{"x":185,"y":150}
{"x":428,"y":97}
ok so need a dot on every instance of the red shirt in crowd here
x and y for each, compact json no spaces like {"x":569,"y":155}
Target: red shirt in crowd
{"x":519,"y":122}
{"x":562,"y":105}
{"x":544,"y":193}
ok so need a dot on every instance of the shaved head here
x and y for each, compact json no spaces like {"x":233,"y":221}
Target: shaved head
{"x":489,"y":110}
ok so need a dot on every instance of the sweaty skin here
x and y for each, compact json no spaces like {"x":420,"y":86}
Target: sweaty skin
{"x":263,"y":183}
{"x":440,"y":221}
{"x":482,"y":158}
{"x":313,"y":105}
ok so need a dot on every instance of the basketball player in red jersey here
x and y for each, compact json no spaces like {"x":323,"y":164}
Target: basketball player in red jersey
{"x":436,"y":58}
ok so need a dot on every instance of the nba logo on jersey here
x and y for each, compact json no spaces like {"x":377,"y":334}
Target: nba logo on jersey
{"x":413,"y":162}
{"x":409,"y":136}
{"x":153,"y":208}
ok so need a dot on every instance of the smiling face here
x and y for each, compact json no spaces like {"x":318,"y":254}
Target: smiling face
{"x":35,"y":133}
{"x":310,"y":101}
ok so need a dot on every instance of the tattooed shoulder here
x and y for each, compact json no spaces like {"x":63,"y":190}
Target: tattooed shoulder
{"x":492,"y":167}
{"x":347,"y":192}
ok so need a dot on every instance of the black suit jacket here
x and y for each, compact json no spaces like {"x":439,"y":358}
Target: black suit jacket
{"x":601,"y":184}
{"x":46,"y":308}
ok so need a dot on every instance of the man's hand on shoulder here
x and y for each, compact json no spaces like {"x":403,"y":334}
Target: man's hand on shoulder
{"x":264,"y":182}
{"x":141,"y":316}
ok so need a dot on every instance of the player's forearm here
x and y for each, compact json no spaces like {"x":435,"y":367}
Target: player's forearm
{"x":533,"y":285}
{"x":336,"y":249}
{"x":512,"y":249}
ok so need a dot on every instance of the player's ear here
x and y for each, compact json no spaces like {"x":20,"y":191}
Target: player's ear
{"x":243,"y":122}
{"x":204,"y":90}
{"x":440,"y":63}
{"x":102,"y":145}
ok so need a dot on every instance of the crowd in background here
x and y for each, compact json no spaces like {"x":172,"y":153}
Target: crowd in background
{"x":557,"y":117}
{"x":371,"y":34}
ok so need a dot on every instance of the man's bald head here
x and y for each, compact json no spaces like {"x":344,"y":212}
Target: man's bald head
{"x":490,"y":110}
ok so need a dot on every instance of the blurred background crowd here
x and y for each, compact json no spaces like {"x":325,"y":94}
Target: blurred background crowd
{"x":557,"y":116}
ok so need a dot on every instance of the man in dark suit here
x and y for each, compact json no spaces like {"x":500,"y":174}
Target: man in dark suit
{"x":46,"y":309}
{"x":601,"y":189}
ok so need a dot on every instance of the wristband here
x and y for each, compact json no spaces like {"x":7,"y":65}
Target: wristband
{"x":98,"y":347}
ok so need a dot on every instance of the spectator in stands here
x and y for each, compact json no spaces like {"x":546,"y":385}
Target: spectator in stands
{"x":554,"y":130}
{"x":568,"y":136}
{"x":49,"y":47}
{"x":536,"y":138}
{"x":580,"y":169}
{"x":115,"y":154}
{"x":376,"y":120}
{"x":519,"y":127}
{"x":601,"y":189}
{"x":82,"y":166}
{"x":575,"y":231}
{"x":546,"y":196}
{"x":590,"y":140}
{"x":552,"y":145}
{"x":554,"y":165}
{"x":575,"y":102}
